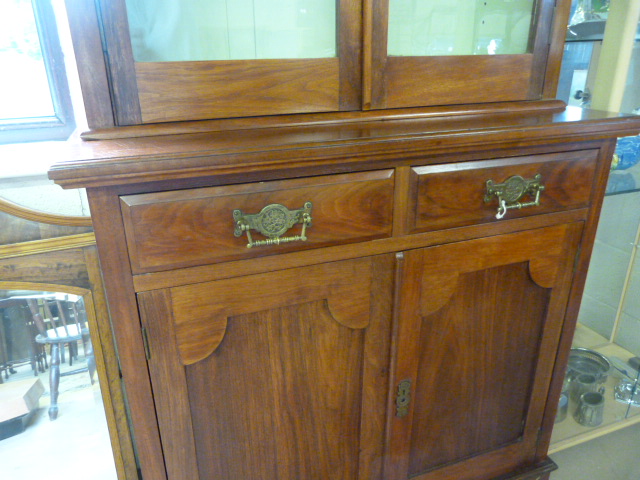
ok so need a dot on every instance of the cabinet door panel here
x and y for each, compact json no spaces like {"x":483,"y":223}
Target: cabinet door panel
{"x":291,"y":407}
{"x":478,"y":331}
{"x":278,"y":375}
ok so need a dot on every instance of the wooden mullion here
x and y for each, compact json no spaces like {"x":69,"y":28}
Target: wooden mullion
{"x":541,"y":44}
{"x":119,"y":57}
{"x":349,"y":49}
{"x":378,"y":48}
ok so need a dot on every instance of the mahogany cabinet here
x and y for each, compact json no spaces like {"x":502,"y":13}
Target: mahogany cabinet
{"x":356,"y":299}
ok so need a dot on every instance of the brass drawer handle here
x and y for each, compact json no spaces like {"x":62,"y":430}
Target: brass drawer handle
{"x":273,"y":221}
{"x":510,"y":192}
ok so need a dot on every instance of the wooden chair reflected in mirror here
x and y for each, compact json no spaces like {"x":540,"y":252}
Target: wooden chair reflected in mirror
{"x":66,"y":328}
{"x":18,"y":333}
{"x":56,"y":255}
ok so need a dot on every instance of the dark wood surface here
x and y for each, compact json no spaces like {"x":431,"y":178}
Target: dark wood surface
{"x":303,"y":150}
{"x":400,"y":81}
{"x":123,"y":310}
{"x":499,"y":77}
{"x":92,"y":71}
{"x":296,"y":356}
{"x":113,"y":25}
{"x":306,"y":367}
{"x":474,"y":333}
{"x":173,"y":91}
{"x":453,"y":195}
{"x":148,"y":92}
{"x":190,"y":227}
{"x":573,"y":148}
{"x":580,"y":276}
{"x":361,"y":77}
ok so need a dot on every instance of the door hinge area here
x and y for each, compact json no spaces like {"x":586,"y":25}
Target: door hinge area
{"x":576,"y":260}
{"x":145,"y":341}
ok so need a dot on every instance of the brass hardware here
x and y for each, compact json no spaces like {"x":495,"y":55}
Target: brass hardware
{"x":145,"y":342}
{"x":273,"y":221}
{"x":403,"y":398}
{"x":510,"y":192}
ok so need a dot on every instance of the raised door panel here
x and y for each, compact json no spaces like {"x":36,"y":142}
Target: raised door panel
{"x":278,"y":375}
{"x":479,"y":325}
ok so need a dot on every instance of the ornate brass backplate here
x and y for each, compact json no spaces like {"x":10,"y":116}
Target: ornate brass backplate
{"x":273,"y":221}
{"x":512,"y":190}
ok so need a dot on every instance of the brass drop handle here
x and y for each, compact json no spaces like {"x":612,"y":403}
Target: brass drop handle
{"x":403,"y":398}
{"x":273,"y":221}
{"x":511,"y":191}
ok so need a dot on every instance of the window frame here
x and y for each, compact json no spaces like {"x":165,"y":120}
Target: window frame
{"x":62,"y":124}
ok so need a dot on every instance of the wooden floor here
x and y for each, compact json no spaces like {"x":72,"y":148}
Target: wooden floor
{"x":75,"y":446}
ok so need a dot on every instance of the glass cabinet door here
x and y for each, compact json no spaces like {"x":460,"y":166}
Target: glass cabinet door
{"x":202,"y":59}
{"x":436,"y":52}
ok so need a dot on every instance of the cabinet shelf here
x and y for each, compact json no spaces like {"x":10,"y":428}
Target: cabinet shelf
{"x":568,"y":432}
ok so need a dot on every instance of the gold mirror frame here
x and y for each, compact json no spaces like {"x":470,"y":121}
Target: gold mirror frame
{"x":45,"y":252}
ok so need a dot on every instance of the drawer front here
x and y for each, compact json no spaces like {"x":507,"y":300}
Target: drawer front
{"x":453,"y":195}
{"x":168,"y":230}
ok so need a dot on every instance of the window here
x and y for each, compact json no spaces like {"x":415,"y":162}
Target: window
{"x":35,"y":103}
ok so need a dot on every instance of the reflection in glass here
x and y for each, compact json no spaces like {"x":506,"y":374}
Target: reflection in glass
{"x":46,"y":352}
{"x":459,"y":27}
{"x":193,"y":30}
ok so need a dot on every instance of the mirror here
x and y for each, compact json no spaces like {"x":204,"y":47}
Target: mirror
{"x":50,"y":395}
{"x":52,"y":304}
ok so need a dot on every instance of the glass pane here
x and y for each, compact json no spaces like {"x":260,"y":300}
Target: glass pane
{"x":629,"y":333}
{"x":190,"y":30}
{"x":459,"y":27}
{"x":25,"y":92}
{"x":44,"y":336}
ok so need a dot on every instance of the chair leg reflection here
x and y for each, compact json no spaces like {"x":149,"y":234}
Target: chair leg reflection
{"x":54,"y":373}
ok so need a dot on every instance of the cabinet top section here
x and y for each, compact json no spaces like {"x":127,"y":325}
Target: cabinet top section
{"x":142,"y":63}
{"x":318,"y":144}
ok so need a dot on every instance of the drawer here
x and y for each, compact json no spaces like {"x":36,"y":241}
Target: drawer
{"x":175,"y":229}
{"x":453,"y":195}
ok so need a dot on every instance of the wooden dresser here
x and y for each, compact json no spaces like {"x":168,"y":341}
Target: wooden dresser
{"x":384,"y":325}
{"x":361,"y":266}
